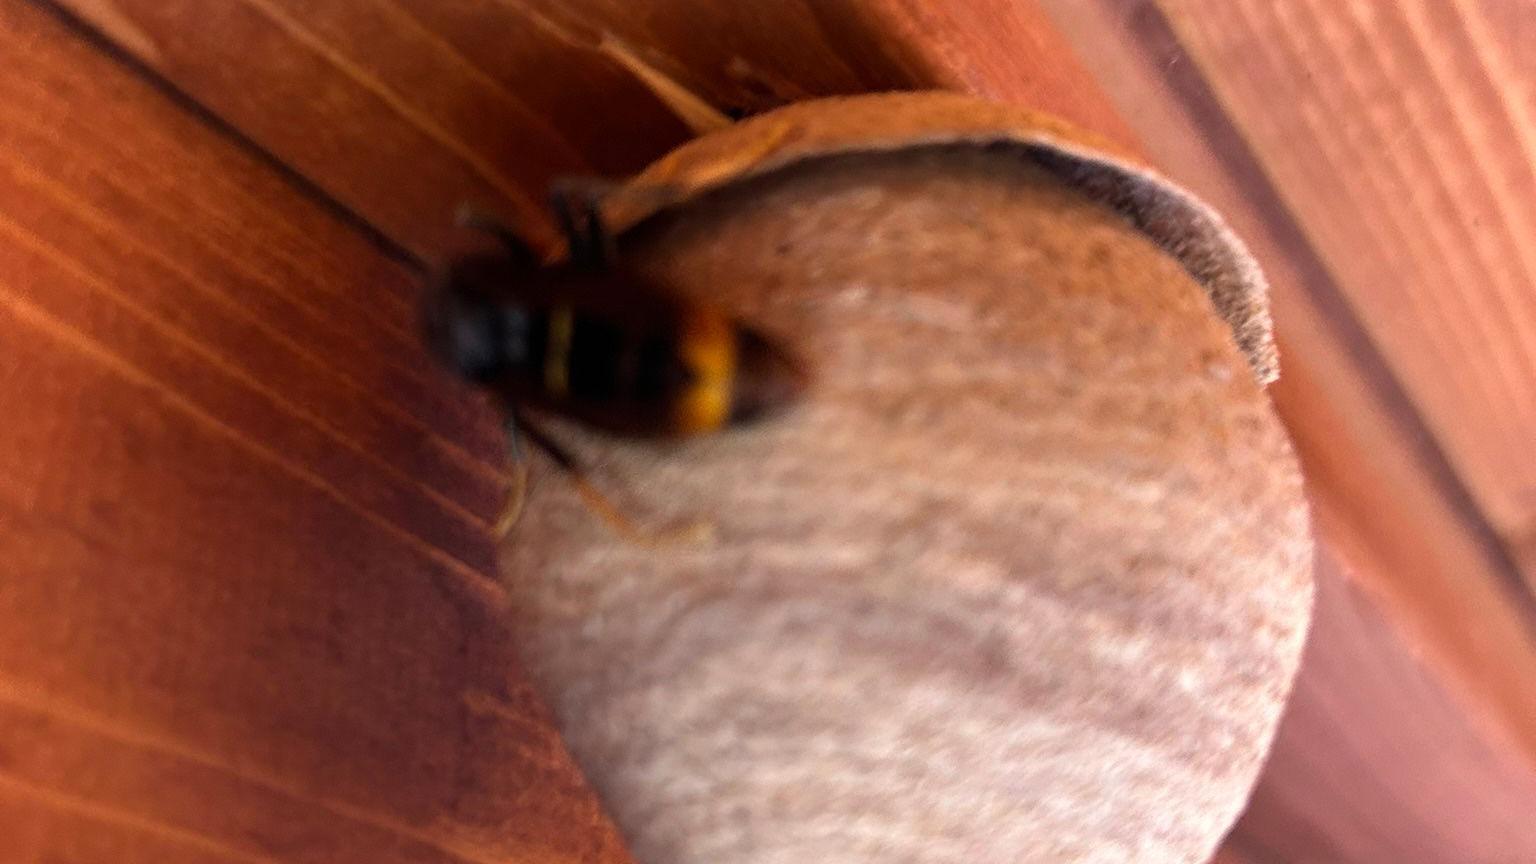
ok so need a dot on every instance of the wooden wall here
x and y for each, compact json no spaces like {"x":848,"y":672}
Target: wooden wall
{"x":1379,"y":158}
{"x":211,"y":215}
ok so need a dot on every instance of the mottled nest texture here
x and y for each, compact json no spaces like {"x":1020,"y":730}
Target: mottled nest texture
{"x":1024,"y":578}
{"x":1178,"y":222}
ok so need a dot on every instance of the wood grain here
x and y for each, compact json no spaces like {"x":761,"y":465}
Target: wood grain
{"x":1419,"y":548}
{"x":428,"y":105}
{"x":1374,"y":475}
{"x":1376,"y":761}
{"x":246,"y":603}
{"x":402,"y":111}
{"x":1428,"y":233}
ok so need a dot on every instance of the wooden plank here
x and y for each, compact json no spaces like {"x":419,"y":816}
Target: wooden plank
{"x":1383,"y":497}
{"x":248,"y":605}
{"x":1420,"y":552}
{"x":1375,"y":761}
{"x":1428,"y":232}
{"x":39,"y":826}
{"x":405,"y":110}
{"x":423,"y":80}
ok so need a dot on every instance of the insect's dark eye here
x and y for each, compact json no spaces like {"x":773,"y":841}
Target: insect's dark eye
{"x":464,"y":330}
{"x":472,"y":341}
{"x":515,"y":334}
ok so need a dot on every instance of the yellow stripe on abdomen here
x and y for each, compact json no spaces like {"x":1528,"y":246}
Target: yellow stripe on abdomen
{"x":557,"y":351}
{"x":707,"y":346}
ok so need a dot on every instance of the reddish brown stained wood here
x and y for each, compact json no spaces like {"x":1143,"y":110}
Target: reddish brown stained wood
{"x":402,"y":111}
{"x":302,"y":372}
{"x":1369,"y":725}
{"x":406,"y":110}
{"x":1007,"y":51}
{"x":1407,"y":155}
{"x":40,"y":823}
{"x":1502,"y":31}
{"x":247,"y":607}
{"x":1380,"y":498}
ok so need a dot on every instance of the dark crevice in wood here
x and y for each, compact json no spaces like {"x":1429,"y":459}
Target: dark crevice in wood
{"x":1156,"y":37}
{"x":311,"y":190}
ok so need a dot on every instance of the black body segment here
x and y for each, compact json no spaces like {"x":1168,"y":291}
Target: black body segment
{"x":605,"y":348}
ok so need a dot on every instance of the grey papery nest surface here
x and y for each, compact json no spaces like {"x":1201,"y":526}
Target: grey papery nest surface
{"x":1027,"y":575}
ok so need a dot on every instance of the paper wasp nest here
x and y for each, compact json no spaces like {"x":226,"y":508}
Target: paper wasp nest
{"x":1024,"y":578}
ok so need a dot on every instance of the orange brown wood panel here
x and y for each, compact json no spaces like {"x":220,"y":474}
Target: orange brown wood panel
{"x":1423,"y":549}
{"x":404,"y":110}
{"x":1386,"y":498}
{"x":399,"y":111}
{"x":247,"y":595}
{"x":1402,"y":137}
{"x":1376,"y":761}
